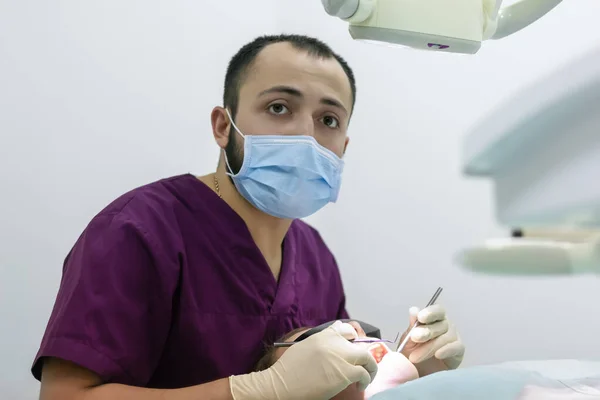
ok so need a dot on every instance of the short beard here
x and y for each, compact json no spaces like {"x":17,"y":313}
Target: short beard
{"x":234,"y":153}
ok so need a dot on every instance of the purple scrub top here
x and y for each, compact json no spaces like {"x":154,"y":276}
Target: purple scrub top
{"x":166,"y":288}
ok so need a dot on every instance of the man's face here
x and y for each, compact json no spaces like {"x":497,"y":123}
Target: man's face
{"x":289,"y":92}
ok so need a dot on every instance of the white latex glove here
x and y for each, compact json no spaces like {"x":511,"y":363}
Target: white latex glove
{"x":394,"y":369}
{"x":434,"y":346}
{"x":318,"y":367}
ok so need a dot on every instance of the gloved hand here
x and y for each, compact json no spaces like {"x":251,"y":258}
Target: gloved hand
{"x":393,"y":369}
{"x":434,"y":346}
{"x":318,"y":367}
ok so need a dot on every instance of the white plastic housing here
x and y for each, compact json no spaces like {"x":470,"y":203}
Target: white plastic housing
{"x":532,"y":257}
{"x":455,"y":26}
{"x":452,"y":26}
{"x":519,"y":15}
{"x":541,"y":149}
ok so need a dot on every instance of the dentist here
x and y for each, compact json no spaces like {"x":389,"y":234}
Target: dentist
{"x":158,"y":287}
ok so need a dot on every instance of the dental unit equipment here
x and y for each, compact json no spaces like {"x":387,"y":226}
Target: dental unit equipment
{"x":541,"y":150}
{"x":453,"y":26}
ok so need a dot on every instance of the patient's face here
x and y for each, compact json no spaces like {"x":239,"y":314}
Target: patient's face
{"x":351,"y":392}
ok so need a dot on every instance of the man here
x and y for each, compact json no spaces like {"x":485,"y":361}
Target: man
{"x":158,"y":287}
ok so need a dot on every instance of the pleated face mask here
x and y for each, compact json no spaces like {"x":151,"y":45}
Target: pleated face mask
{"x":287,"y":176}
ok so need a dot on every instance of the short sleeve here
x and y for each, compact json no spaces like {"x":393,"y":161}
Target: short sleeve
{"x":113,"y":309}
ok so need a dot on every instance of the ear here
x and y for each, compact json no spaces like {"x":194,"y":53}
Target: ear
{"x":221,"y":126}
{"x":346,"y":145}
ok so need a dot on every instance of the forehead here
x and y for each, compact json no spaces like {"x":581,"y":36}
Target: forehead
{"x":283,"y":64}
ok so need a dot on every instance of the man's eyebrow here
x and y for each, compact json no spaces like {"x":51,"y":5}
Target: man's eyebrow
{"x":282,"y":89}
{"x":297,"y":93}
{"x":332,"y":102}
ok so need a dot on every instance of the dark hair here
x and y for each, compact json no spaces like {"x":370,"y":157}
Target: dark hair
{"x":268,"y":359}
{"x":243,"y":59}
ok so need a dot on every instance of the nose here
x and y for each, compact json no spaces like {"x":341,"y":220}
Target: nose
{"x":305,"y":125}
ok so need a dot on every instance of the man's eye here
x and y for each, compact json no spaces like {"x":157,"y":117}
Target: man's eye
{"x":331,"y":122}
{"x":278,"y":109}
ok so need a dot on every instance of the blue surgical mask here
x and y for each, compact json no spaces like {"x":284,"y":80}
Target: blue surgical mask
{"x":287,"y":176}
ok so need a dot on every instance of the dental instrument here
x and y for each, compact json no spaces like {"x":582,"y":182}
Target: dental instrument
{"x":372,"y":332}
{"x":358,"y":340}
{"x":407,"y":337}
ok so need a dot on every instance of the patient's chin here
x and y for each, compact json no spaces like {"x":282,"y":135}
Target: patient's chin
{"x":350,"y":393}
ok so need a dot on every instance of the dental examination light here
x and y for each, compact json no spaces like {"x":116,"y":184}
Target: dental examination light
{"x":454,"y":26}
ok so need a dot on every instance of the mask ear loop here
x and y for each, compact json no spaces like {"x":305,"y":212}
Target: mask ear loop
{"x":230,"y":171}
{"x":233,"y":123}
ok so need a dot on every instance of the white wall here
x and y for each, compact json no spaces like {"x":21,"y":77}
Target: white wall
{"x":97,"y":98}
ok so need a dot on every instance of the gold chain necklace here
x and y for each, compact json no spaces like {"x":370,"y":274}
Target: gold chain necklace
{"x":217,"y":186}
